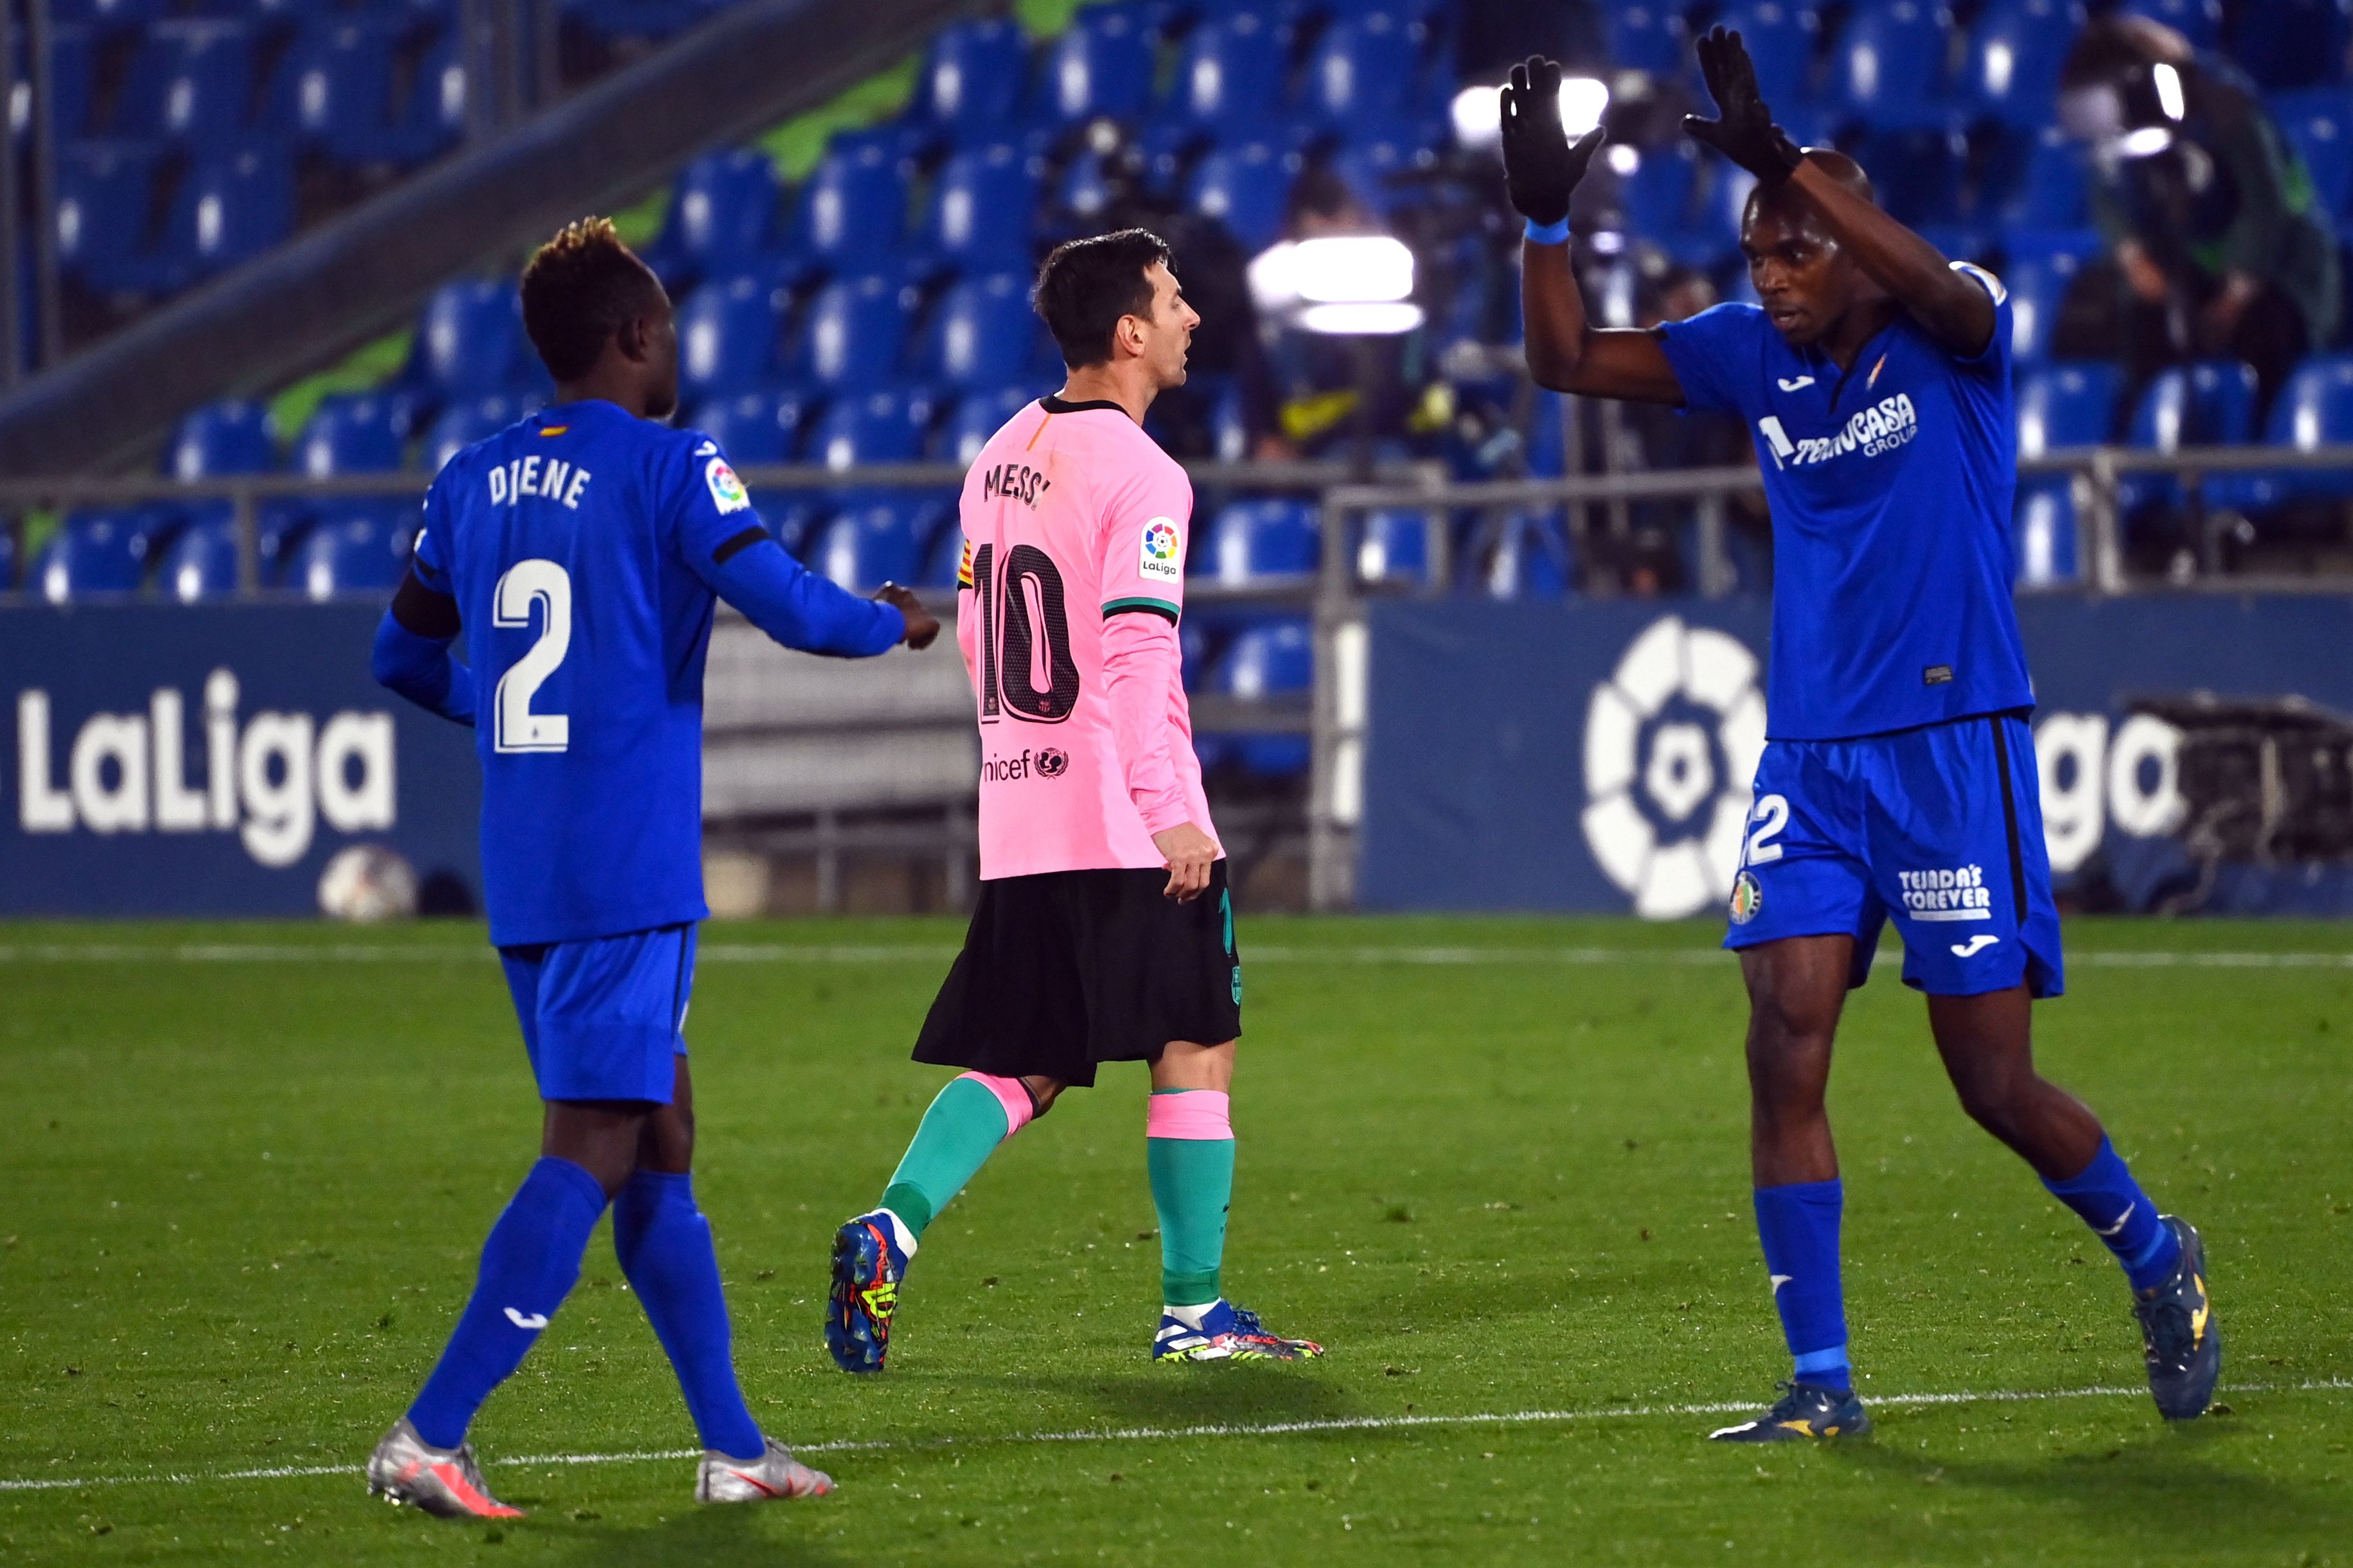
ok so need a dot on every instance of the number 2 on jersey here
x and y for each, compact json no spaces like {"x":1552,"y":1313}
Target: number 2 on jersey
{"x":1034,"y":674}
{"x":549,"y":586}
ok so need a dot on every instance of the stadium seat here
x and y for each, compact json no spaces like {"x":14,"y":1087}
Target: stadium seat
{"x":1363,"y":70}
{"x":2050,"y":185}
{"x":2293,"y":43}
{"x":359,"y":548}
{"x":2314,"y":409}
{"x":1887,"y":64}
{"x":1522,"y":556}
{"x":1231,"y":72}
{"x":103,"y":233}
{"x":852,"y":205}
{"x":2067,"y":406}
{"x":1247,"y":187}
{"x":1083,"y":191}
{"x":793,"y":518}
{"x":461,"y":425}
{"x":8,"y":559}
{"x":2200,"y":21}
{"x":982,"y":205}
{"x":433,"y":117}
{"x":1779,"y":36}
{"x":201,"y":563}
{"x":1271,"y":661}
{"x":1393,"y":549}
{"x":229,"y":210}
{"x":728,"y":333}
{"x":977,"y":418}
{"x":2210,"y":404}
{"x":1254,"y":543}
{"x":110,"y":16}
{"x":469,"y":338}
{"x":1916,"y":169}
{"x":73,"y":82}
{"x":983,"y":333}
{"x":871,"y":543}
{"x":1647,"y":36}
{"x":722,"y":211}
{"x":852,"y":332}
{"x":234,"y":436}
{"x":351,"y":433}
{"x":2037,"y":285}
{"x":334,"y":90}
{"x":2015,"y":50}
{"x":2318,"y":124}
{"x":191,"y":83}
{"x":1659,"y":197}
{"x":1102,"y":65}
{"x":101,"y":551}
{"x":943,"y":560}
{"x":758,"y":428}
{"x":879,"y":426}
{"x":2043,"y":533}
{"x":972,"y":78}
{"x":1377,"y":165}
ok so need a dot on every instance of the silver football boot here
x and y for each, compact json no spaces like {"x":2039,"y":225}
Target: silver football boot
{"x":407,"y":1471}
{"x":775,"y":1477}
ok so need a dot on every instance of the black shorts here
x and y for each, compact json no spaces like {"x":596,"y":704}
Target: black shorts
{"x":1066,"y":969}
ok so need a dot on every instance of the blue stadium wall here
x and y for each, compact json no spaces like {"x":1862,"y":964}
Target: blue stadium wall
{"x":1594,"y":757}
{"x":209,"y":760}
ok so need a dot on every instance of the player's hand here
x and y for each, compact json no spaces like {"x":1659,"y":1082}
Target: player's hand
{"x":1540,"y":168}
{"x":1189,"y":853}
{"x":1746,"y":133}
{"x":922,"y":624}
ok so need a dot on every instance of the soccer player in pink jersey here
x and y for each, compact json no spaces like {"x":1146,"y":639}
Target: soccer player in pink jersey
{"x":1105,"y":929}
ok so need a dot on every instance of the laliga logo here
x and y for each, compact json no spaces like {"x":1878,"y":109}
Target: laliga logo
{"x":1671,"y":740}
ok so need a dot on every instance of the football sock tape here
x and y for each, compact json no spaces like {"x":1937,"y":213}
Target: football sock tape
{"x":1188,"y":1142}
{"x":663,"y":1243}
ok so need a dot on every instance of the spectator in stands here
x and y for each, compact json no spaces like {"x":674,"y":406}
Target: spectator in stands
{"x":2217,"y":243}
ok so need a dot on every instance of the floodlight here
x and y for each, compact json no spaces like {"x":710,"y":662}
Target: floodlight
{"x":1478,"y":111}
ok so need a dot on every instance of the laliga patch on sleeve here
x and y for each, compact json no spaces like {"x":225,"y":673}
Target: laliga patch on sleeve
{"x":727,"y":492}
{"x":1160,"y":554}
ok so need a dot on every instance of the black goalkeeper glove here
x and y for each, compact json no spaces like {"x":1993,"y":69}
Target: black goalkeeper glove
{"x":1540,"y":166}
{"x":1746,"y":133}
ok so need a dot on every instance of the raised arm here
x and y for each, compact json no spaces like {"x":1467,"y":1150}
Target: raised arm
{"x":802,"y":610}
{"x":1542,"y":169}
{"x":1953,"y":307}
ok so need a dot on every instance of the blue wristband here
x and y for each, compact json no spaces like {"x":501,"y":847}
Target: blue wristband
{"x":1548,"y":233}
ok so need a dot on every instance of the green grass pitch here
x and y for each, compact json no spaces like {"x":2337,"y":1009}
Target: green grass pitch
{"x":1498,"y":1166}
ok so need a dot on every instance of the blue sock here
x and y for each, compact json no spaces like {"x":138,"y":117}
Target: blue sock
{"x":664,"y":1245}
{"x":530,"y":1264}
{"x":2108,"y":1199}
{"x":1799,"y":1225}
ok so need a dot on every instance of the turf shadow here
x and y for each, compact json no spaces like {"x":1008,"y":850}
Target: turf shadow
{"x":1207,"y":1395}
{"x":737,"y":1535}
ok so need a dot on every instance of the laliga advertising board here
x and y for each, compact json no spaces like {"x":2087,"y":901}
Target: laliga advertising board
{"x":212,"y":760}
{"x":1597,"y":756}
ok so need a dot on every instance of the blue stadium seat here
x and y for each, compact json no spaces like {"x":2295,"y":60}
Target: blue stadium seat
{"x":191,"y":83}
{"x":983,"y":333}
{"x":359,"y":548}
{"x":111,"y":15}
{"x":2051,"y":185}
{"x":104,"y":238}
{"x":460,"y":425}
{"x":334,"y":90}
{"x":852,"y":332}
{"x":1083,"y":191}
{"x":1231,"y":72}
{"x":351,"y":433}
{"x":101,"y":551}
{"x":201,"y":563}
{"x":982,"y":205}
{"x":8,"y":561}
{"x":2015,"y":50}
{"x":73,"y":82}
{"x":2314,"y":409}
{"x":2318,"y":124}
{"x":760,"y":426}
{"x":943,"y":560}
{"x":975,"y":419}
{"x":1272,"y":659}
{"x":1780,"y":37}
{"x":229,"y":209}
{"x":1363,"y":70}
{"x":2200,"y":21}
{"x":2037,"y":285}
{"x":722,"y":213}
{"x":2210,"y":404}
{"x":469,"y":339}
{"x":1247,"y":187}
{"x":1102,"y":65}
{"x":793,"y":518}
{"x":853,"y":202}
{"x":871,"y":543}
{"x":2067,"y":406}
{"x":972,"y":77}
{"x":2043,"y":533}
{"x":233,"y":436}
{"x":1916,"y":169}
{"x":877,"y":426}
{"x":2294,"y":43}
{"x":1378,"y":163}
{"x":1659,"y":196}
{"x":1524,"y":557}
{"x":1252,"y":542}
{"x":1647,"y":36}
{"x":1887,"y":63}
{"x":433,"y":117}
{"x":728,"y":333}
{"x":1393,"y":549}
{"x":633,"y":22}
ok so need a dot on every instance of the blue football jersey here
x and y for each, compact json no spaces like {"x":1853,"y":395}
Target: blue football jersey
{"x":1891,"y":488}
{"x":566,"y":540}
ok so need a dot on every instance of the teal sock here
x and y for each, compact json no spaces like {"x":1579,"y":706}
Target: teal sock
{"x":1192,"y":1186}
{"x":956,"y":1138}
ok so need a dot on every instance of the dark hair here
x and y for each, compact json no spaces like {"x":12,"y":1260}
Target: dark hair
{"x":1087,"y":285}
{"x":578,"y":289}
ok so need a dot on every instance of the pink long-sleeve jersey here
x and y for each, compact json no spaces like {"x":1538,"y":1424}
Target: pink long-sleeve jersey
{"x":1073,"y":577}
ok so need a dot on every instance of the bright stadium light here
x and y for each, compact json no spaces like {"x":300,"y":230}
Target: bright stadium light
{"x":1346,"y":285}
{"x":2168,"y":82}
{"x":2146,"y":143}
{"x":1361,"y":321}
{"x":1478,"y":111}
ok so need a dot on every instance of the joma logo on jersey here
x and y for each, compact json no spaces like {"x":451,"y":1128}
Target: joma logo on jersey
{"x":1953,"y":893}
{"x":1882,"y":428}
{"x":1013,"y":481}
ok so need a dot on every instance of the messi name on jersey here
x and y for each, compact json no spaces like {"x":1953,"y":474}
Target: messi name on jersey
{"x":1013,"y":481}
{"x":1882,"y":428}
{"x":551,"y":478}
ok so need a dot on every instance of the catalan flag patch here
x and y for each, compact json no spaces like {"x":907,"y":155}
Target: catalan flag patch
{"x":964,"y":567}
{"x":554,"y":429}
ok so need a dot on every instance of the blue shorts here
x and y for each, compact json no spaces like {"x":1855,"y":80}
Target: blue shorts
{"x":1940,"y":827}
{"x":601,"y":1018}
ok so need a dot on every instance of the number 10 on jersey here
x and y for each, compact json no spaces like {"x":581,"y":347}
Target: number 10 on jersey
{"x":1032,"y":675}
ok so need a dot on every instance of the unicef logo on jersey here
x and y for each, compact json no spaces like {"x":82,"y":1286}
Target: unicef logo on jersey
{"x":1671,"y":740}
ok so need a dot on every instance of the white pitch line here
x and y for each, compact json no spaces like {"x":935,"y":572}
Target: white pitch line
{"x":1171,"y":1434}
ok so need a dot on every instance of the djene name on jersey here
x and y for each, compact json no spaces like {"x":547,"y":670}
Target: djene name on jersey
{"x":1882,"y":428}
{"x":1013,"y":481}
{"x":1952,"y":893}
{"x":551,"y":478}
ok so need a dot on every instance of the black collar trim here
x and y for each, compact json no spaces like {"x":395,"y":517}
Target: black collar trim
{"x":1053,"y":402}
